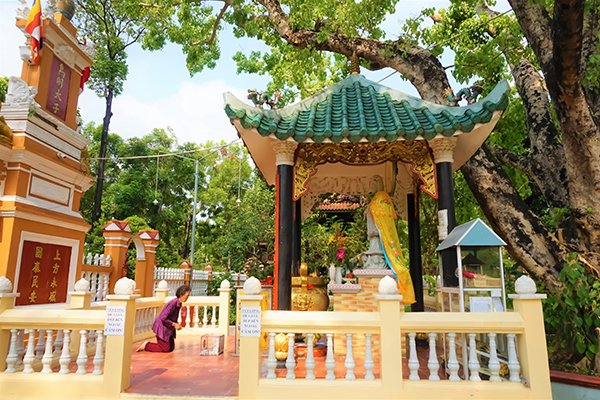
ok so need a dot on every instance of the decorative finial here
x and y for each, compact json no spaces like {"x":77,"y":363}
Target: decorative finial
{"x":354,"y":64}
{"x":252,"y":286}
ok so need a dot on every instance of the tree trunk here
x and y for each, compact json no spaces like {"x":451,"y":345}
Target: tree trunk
{"x":529,"y":242}
{"x":102,"y":158}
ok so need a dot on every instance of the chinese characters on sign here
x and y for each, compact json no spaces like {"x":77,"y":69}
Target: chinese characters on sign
{"x":44,"y":273}
{"x":58,"y":88}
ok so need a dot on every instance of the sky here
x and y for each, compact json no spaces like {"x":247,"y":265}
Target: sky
{"x":160,"y":93}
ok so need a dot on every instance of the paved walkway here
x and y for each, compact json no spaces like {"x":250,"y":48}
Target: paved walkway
{"x":184,"y":372}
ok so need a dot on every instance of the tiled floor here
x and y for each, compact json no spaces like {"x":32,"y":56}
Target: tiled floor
{"x":185,"y":373}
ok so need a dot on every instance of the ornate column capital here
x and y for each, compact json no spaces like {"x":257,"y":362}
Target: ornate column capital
{"x":443,"y":149}
{"x":284,"y":152}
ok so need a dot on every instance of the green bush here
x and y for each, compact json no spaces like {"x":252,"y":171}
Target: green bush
{"x":571,"y":319}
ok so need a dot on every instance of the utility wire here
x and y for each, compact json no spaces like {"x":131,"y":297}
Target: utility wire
{"x":179,"y":153}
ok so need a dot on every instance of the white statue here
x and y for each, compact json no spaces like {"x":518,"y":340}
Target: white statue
{"x":373,"y":257}
{"x":19,"y":93}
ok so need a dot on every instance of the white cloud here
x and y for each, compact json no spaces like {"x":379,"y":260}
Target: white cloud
{"x":195,"y":112}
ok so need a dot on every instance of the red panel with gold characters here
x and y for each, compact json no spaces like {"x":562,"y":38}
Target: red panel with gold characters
{"x":58,"y":88}
{"x":44,"y":273}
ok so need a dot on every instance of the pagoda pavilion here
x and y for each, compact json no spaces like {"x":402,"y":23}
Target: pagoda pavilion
{"x":348,"y":139}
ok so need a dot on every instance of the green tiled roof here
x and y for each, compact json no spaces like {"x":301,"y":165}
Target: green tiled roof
{"x":356,"y":109}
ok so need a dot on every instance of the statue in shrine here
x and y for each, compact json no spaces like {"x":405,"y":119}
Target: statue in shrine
{"x":373,"y":258}
{"x":382,"y":218}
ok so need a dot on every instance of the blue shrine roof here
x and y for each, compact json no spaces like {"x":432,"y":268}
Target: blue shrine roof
{"x":473,"y":233}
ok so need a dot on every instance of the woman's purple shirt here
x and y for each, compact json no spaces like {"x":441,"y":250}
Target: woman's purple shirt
{"x":163,"y":325}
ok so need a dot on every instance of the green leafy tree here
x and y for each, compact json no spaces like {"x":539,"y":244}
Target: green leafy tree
{"x":3,"y":88}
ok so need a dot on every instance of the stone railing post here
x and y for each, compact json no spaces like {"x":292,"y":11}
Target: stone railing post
{"x":224,"y":291}
{"x":7,"y":301}
{"x":390,"y":307}
{"x":249,"y":343}
{"x":533,"y":353}
{"x":162,"y":290}
{"x":81,"y":297}
{"x":118,"y":348}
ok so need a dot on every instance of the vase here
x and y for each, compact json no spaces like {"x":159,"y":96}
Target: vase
{"x":338,"y":274}
{"x":309,"y":293}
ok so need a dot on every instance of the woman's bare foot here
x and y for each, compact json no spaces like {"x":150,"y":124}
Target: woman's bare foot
{"x":142,"y":346}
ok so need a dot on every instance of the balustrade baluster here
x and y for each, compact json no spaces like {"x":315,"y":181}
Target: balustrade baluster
{"x":20,"y":349}
{"x":11,"y":358}
{"x":349,"y":364}
{"x":82,"y":356}
{"x":58,"y":343}
{"x":205,"y":316}
{"x":433,"y":363}
{"x":473,"y":359}
{"x":30,"y":353}
{"x":310,"y":357}
{"x":65,"y":355}
{"x":99,"y":356}
{"x":213,"y":320}
{"x":271,"y":361}
{"x":105,"y":290}
{"x":494,"y":363}
{"x":369,"y":364}
{"x":40,"y":346}
{"x":513,"y":363}
{"x":290,"y":363}
{"x":330,"y":359}
{"x":413,"y":361}
{"x":48,"y":353}
{"x":452,"y":360}
{"x":94,"y":277}
{"x":100,"y":289}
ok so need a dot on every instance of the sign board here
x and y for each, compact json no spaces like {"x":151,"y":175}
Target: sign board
{"x":58,"y":88}
{"x":44,"y":273}
{"x":250,"y":321}
{"x":114,"y":325}
{"x":480,"y":304}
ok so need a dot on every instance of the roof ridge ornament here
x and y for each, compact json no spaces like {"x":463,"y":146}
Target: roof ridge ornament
{"x":354,"y":64}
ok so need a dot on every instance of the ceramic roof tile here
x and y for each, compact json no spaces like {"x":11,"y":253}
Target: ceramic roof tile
{"x":357,"y":109}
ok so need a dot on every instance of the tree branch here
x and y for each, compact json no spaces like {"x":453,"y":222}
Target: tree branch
{"x":213,"y":34}
{"x":567,"y":37}
{"x":415,"y":63}
{"x":535,"y":24}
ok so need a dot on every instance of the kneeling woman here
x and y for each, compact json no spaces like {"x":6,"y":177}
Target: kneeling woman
{"x":166,"y":324}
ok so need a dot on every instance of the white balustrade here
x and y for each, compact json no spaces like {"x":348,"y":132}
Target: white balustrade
{"x":473,"y":359}
{"x":433,"y":363}
{"x":82,"y":356}
{"x":369,"y":364}
{"x":494,"y":363}
{"x":271,"y":360}
{"x":452,"y":360}
{"x":11,"y":359}
{"x":39,"y":348}
{"x":513,"y":364}
{"x":349,"y":364}
{"x":413,"y":361}
{"x":30,"y":353}
{"x":99,"y":356}
{"x":310,"y":357}
{"x":290,"y":363}
{"x":48,"y":353}
{"x":65,"y":356}
{"x":330,"y":360}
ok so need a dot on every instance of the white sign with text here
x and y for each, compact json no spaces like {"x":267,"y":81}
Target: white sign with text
{"x":114,"y":325}
{"x":250,"y":321}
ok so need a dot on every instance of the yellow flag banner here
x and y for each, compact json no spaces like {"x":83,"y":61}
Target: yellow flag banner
{"x":384,"y":216}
